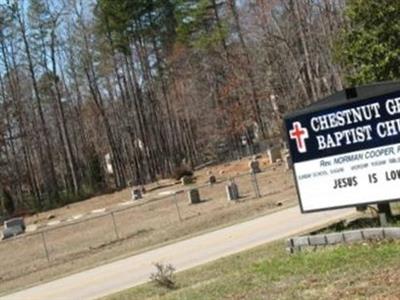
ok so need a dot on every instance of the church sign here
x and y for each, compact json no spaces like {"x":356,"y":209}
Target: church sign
{"x":347,"y":152}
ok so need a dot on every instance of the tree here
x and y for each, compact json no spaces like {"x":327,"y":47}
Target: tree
{"x":151,"y":83}
{"x":7,"y":202}
{"x":370,"y":44}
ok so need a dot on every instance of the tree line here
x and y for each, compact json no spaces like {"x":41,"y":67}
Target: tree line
{"x":153,"y":84}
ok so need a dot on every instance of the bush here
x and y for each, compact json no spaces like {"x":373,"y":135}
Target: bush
{"x":181,"y":171}
{"x":7,"y":202}
{"x":164,"y":275}
{"x":95,"y":172}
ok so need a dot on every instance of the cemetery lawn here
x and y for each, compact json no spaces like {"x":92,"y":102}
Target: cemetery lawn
{"x":269,"y":272}
{"x":143,"y":227}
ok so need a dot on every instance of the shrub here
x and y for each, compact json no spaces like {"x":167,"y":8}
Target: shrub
{"x":7,"y":202}
{"x":164,"y":275}
{"x":95,"y":171}
{"x":181,"y":171}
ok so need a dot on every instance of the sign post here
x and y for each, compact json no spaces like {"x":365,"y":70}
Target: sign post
{"x":346,"y":148}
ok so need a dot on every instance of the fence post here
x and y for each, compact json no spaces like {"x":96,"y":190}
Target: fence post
{"x":177,"y":206}
{"x":46,"y":250}
{"x":255,"y":184}
{"x":115,"y":225}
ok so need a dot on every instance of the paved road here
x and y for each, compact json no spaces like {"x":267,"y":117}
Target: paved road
{"x":128,"y":272}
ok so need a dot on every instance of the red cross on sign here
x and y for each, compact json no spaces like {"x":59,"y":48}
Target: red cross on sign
{"x":299,"y":134}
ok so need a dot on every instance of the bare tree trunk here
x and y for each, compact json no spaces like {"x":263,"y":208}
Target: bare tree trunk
{"x":48,"y":172}
{"x":64,"y":130}
{"x":302,"y":36}
{"x":248,"y":67}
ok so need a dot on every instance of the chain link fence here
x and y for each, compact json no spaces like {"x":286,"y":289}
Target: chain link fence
{"x":144,"y":222}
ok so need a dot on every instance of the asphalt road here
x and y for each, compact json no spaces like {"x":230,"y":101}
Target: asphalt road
{"x":131,"y":271}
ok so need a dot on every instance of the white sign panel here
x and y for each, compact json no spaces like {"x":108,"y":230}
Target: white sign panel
{"x":347,"y":155}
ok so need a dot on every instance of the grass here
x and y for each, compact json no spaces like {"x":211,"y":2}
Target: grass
{"x":150,"y":223}
{"x":269,"y":272}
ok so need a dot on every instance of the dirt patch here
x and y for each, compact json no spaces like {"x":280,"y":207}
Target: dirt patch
{"x":148,"y":222}
{"x":111,"y":200}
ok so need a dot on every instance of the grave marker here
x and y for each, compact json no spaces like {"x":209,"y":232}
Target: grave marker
{"x":212,"y":179}
{"x":194,"y":196}
{"x":287,"y":160}
{"x":15,"y":222}
{"x":232,"y":191}
{"x":136,"y":194}
{"x":274,"y":153}
{"x":13,"y":227}
{"x":254,"y":166}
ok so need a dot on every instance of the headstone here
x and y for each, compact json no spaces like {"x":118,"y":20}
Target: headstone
{"x":254,"y":166}
{"x":136,"y":194}
{"x":212,"y":179}
{"x":232,"y":191}
{"x":109,"y":166}
{"x":185,"y":180}
{"x":274,"y":153}
{"x":14,"y":223}
{"x":10,"y":232}
{"x":287,"y":160}
{"x":194,"y":196}
{"x":13,"y":227}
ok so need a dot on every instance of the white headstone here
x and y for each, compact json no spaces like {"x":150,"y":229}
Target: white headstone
{"x":274,"y":153}
{"x":109,"y":166}
{"x":287,"y":160}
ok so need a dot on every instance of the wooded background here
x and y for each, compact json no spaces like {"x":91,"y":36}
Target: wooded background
{"x":159,"y":83}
